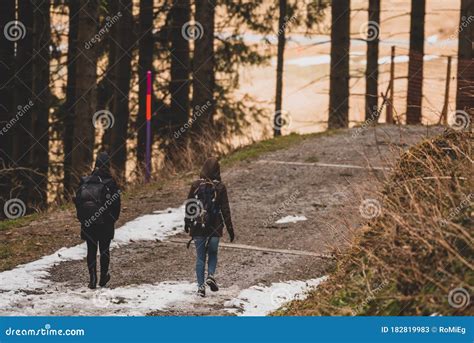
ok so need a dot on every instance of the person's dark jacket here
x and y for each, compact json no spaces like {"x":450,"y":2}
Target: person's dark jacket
{"x":211,"y":172}
{"x":106,"y":230}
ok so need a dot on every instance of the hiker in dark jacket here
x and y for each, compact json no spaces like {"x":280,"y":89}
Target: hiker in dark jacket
{"x":98,"y":229}
{"x":207,"y":232}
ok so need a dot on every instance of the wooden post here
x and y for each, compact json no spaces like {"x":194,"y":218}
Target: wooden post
{"x":444,"y":112}
{"x":389,"y":112}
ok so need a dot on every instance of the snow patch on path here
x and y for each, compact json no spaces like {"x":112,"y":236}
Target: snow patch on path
{"x":159,"y":225}
{"x":135,"y":300}
{"x":291,"y":219}
{"x":262,"y":300}
{"x":140,"y":300}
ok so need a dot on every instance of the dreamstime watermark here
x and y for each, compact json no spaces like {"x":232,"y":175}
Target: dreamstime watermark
{"x":46,"y":331}
{"x":280,"y":296}
{"x":14,"y":208}
{"x":370,"y":31}
{"x":373,"y":293}
{"x":281,"y":120}
{"x":459,"y":298}
{"x":102,"y":299}
{"x":374,"y":115}
{"x":457,"y":210}
{"x":110,"y":199}
{"x":286,"y":23}
{"x":370,"y":208}
{"x":193,"y":208}
{"x":279,"y":211}
{"x":192,"y":30}
{"x":21,"y":111}
{"x":198,"y":112}
{"x":14,"y":30}
{"x":109,"y":22}
{"x":465,"y":22}
{"x":459,"y":120}
{"x":103,"y":119}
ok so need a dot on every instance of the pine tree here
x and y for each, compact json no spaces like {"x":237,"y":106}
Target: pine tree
{"x":339,"y":79}
{"x":86,"y":78}
{"x":415,"y":64}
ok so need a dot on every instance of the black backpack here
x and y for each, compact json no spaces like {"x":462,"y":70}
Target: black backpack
{"x":206,"y":196}
{"x":91,"y":198}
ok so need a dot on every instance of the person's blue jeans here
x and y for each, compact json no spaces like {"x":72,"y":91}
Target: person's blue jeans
{"x":202,"y":252}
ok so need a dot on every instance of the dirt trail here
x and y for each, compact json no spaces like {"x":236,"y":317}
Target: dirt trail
{"x":324,"y":187}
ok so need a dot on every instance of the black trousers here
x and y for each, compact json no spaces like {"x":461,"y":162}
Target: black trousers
{"x":104,"y":248}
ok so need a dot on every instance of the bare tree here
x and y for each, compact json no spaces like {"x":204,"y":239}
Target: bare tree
{"x":339,"y":79}
{"x":277,"y":121}
{"x":86,"y":89}
{"x":122,"y":76}
{"x":41,"y":95}
{"x":180,"y":63}
{"x":204,"y":61}
{"x":465,"y":73}
{"x":7,"y":50}
{"x":415,"y":64}
{"x":372,"y":71}
{"x":70,"y":94}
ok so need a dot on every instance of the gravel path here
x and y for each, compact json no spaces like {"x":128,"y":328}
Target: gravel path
{"x":324,"y":187}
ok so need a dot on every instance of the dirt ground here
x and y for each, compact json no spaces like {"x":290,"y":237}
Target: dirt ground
{"x":261,"y":192}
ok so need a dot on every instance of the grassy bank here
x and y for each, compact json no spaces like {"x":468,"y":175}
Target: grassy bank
{"x":416,"y":257}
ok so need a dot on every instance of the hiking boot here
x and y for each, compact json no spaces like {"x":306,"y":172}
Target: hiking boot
{"x":211,"y":282}
{"x":104,"y":279}
{"x":201,"y":292}
{"x":92,"y":278}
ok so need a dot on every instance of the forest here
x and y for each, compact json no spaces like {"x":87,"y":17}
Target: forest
{"x":325,"y":145}
{"x":73,"y":81}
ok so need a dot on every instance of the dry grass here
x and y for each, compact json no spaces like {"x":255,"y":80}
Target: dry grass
{"x":408,"y":260}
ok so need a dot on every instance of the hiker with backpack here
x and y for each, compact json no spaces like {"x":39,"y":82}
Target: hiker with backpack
{"x":97,"y":203}
{"x":207,"y":211}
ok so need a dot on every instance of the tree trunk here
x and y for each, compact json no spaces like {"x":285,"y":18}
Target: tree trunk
{"x":41,"y":96}
{"x":180,"y":64}
{"x":465,"y":72}
{"x":204,"y":63}
{"x":415,"y":64}
{"x":122,"y":77}
{"x":106,"y":90}
{"x":70,"y":95}
{"x":339,"y":79}
{"x":277,"y":120}
{"x":372,"y":71}
{"x":145,"y":63}
{"x":7,"y":50}
{"x":23,"y":99}
{"x":86,"y":77}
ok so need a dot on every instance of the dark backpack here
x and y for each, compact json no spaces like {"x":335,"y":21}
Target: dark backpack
{"x":206,"y":196}
{"x":91,"y":198}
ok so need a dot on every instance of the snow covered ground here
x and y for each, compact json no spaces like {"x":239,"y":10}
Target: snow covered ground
{"x":27,"y":289}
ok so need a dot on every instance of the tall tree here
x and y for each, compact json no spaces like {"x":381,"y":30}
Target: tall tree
{"x":415,"y":64}
{"x":372,"y":71}
{"x":22,"y":131}
{"x":465,"y":72}
{"x":70,"y":95}
{"x":41,"y":94}
{"x":339,"y":79}
{"x":277,"y":121}
{"x":204,"y":61}
{"x":180,"y":63}
{"x":86,"y":77}
{"x":145,"y":63}
{"x":122,"y":78}
{"x":7,"y":49}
